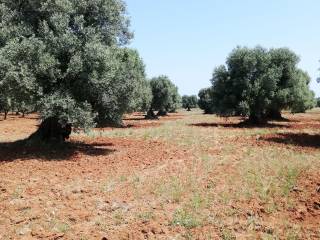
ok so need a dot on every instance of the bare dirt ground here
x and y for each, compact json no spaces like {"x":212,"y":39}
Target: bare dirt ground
{"x":186,"y":176}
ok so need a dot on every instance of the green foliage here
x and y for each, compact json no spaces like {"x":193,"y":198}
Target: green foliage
{"x":79,"y":114}
{"x":5,"y":103}
{"x":165,"y":96}
{"x":318,"y":102}
{"x":259,"y":83}
{"x":189,"y":101}
{"x":205,"y":100}
{"x":185,"y":218}
{"x":70,"y":55}
{"x":144,"y":99}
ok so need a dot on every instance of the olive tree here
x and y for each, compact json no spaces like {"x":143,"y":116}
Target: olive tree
{"x":69,"y":58}
{"x":165,"y":96}
{"x":189,"y":102}
{"x":205,"y":100}
{"x":318,"y":101}
{"x":259,"y":83}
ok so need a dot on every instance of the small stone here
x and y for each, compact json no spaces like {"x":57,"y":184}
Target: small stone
{"x":296,"y":189}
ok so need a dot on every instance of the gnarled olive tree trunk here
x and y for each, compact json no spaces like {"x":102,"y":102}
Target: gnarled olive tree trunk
{"x":274,"y":115}
{"x":51,"y":130}
{"x":151,"y":115}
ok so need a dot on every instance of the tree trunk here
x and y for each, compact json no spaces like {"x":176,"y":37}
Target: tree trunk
{"x":5,"y":114}
{"x":151,"y":115}
{"x":50,"y":130}
{"x":255,"y":119}
{"x":188,"y":109}
{"x":162,"y":113}
{"x":274,"y":115}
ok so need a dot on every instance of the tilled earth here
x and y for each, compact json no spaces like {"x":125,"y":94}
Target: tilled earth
{"x":108,"y":187}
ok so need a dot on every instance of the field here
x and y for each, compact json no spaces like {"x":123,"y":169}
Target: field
{"x":186,"y":176}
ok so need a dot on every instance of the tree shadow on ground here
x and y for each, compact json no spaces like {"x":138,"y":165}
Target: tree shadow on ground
{"x":137,"y":119}
{"x":240,"y":125}
{"x":23,"y":150}
{"x":296,"y":139}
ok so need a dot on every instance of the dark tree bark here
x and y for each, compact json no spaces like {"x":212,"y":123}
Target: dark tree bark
{"x":188,"y":109}
{"x":274,"y":115}
{"x":151,"y":115}
{"x":256,"y":119}
{"x":162,"y":113}
{"x":5,"y":114}
{"x":50,"y":130}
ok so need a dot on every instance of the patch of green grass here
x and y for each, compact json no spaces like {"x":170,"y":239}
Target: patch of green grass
{"x":146,"y":216}
{"x":172,"y":191}
{"x":227,"y":234}
{"x":118,"y":217}
{"x":185,"y":218}
{"x":269,"y":173}
{"x":123,"y":178}
{"x":199,"y":201}
{"x":290,"y":175}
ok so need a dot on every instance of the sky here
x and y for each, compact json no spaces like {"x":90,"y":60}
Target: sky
{"x":187,"y":39}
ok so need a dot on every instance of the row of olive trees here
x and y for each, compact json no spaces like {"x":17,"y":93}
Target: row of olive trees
{"x":70,"y":60}
{"x":258,"y":83}
{"x":15,"y":105}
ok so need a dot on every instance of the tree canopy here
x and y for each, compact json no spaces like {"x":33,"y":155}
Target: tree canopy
{"x":189,"y":102}
{"x":259,"y":83}
{"x":69,"y":57}
{"x":165,"y":96}
{"x":205,"y":100}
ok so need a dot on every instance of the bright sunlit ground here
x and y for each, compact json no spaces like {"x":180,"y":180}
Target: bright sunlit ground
{"x":187,"y":176}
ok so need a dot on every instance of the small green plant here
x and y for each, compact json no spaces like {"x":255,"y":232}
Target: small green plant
{"x":118,"y":217}
{"x":290,"y":176}
{"x":61,"y":227}
{"x":146,"y":216}
{"x":123,"y":178}
{"x":185,"y":218}
{"x":227,"y":234}
{"x":199,"y":200}
{"x":172,"y":191}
